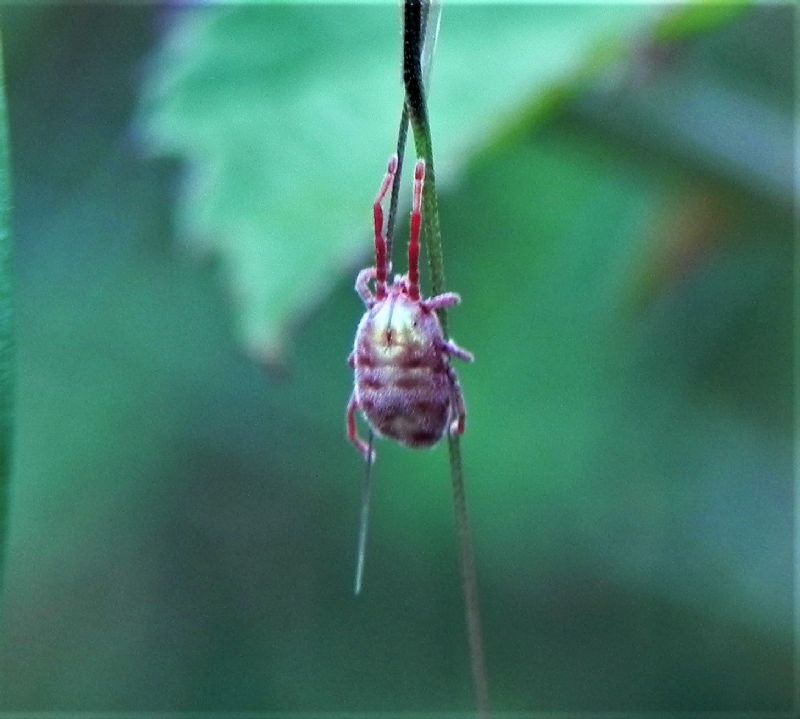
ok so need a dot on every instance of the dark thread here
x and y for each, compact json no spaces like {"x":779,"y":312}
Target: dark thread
{"x":413,"y":34}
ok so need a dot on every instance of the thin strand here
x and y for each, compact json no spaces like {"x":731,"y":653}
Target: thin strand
{"x":413,"y":31}
{"x":363,"y":525}
{"x":469,"y":580}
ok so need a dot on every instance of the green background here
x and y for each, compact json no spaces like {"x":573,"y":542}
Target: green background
{"x":620,"y":226}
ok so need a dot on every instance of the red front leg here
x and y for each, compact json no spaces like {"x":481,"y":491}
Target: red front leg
{"x":416,"y":230}
{"x":381,"y":259}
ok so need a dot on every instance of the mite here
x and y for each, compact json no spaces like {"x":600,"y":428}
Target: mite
{"x":404,"y":385}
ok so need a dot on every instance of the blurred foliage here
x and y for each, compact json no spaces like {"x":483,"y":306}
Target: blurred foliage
{"x":184,"y":525}
{"x":274,"y":108}
{"x":6,"y":324}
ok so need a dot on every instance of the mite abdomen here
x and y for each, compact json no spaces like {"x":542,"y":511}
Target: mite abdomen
{"x":412,"y":406}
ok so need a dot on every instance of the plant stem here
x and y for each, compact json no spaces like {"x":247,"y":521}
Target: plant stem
{"x":469,"y":580}
{"x":413,"y":34}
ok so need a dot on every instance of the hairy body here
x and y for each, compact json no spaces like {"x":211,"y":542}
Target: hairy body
{"x":403,"y":382}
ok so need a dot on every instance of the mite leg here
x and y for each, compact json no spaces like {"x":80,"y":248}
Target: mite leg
{"x":454,"y":350}
{"x":352,"y":430}
{"x":416,"y":229}
{"x":442,"y":302}
{"x":458,"y":410}
{"x":362,"y":286}
{"x":381,"y":260}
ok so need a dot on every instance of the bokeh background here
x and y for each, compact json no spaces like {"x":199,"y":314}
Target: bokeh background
{"x":193,"y":189}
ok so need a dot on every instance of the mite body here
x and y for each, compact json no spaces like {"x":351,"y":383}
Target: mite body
{"x":404,"y":384}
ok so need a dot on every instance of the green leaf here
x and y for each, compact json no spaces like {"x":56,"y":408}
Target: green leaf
{"x":696,"y":18}
{"x":285,"y":117}
{"x":184,"y":530}
{"x":6,"y":323}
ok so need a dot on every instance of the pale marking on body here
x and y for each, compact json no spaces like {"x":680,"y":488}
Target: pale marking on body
{"x":395,"y":334}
